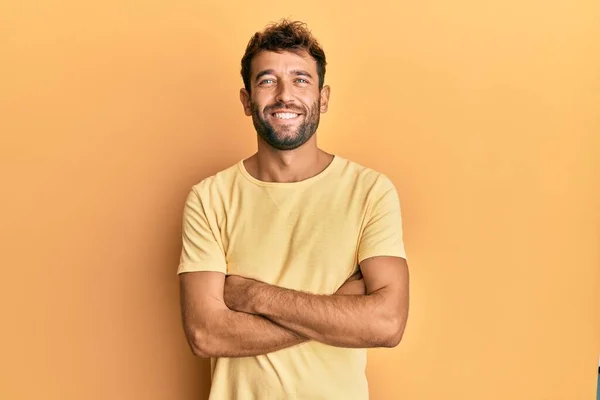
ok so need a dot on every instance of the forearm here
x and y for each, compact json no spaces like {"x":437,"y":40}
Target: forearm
{"x":238,"y":334}
{"x":343,"y":321}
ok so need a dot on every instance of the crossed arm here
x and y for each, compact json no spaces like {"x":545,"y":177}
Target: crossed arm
{"x":237,"y":317}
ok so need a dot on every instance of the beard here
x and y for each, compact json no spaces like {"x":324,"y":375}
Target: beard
{"x":285,"y":137}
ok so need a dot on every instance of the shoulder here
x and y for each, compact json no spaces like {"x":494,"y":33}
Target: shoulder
{"x":215,"y":190}
{"x":217,"y":182}
{"x":365,"y":177}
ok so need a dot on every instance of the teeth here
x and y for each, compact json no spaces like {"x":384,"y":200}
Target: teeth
{"x":285,"y":115}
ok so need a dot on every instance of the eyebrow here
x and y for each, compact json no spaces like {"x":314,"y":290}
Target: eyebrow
{"x":297,"y":72}
{"x":300,"y":72}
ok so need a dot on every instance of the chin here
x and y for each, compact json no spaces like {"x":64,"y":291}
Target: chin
{"x":286,"y":146}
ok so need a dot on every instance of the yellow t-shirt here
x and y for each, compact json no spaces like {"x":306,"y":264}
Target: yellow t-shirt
{"x":310,"y":236}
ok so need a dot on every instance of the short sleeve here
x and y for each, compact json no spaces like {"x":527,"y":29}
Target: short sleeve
{"x":202,"y":249}
{"x":382,"y":233}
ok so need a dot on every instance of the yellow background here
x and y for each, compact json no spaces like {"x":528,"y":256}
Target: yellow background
{"x":486,"y":115}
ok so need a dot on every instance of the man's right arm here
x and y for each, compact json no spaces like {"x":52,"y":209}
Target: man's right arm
{"x":213,"y":330}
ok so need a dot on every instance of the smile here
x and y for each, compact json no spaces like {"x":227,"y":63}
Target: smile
{"x":285,"y":115}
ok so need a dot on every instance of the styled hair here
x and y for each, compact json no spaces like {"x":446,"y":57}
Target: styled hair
{"x":285,"y":35}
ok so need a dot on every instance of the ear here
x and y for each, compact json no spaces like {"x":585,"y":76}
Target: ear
{"x":325,"y":92}
{"x":245,"y":99}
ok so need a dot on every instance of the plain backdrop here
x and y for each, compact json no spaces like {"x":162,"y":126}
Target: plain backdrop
{"x":485,"y":114}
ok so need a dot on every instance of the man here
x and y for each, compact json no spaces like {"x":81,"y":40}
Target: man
{"x":274,"y":246}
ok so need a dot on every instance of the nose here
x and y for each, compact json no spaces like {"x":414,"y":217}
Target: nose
{"x":284,"y":92}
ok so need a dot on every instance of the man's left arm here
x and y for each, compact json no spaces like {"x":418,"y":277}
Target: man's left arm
{"x":376,"y":319}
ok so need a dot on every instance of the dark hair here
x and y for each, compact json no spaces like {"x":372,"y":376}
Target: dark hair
{"x":284,"y":35}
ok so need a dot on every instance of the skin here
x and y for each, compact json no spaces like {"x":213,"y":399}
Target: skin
{"x":374,"y":319}
{"x":207,"y":320}
{"x":284,"y":89}
{"x":369,"y":310}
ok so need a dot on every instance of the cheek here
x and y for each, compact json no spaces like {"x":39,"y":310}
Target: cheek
{"x":262,"y":100}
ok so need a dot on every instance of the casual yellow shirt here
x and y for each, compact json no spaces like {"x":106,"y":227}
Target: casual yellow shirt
{"x":309,"y":236}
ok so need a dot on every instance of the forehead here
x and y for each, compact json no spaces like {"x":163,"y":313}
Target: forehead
{"x":283,"y":62}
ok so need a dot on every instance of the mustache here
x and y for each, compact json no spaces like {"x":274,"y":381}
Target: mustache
{"x":278,"y":106}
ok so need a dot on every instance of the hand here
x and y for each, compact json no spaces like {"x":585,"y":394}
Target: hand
{"x":355,"y":285}
{"x":237,"y":293}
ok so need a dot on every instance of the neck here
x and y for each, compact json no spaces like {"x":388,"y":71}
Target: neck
{"x":272,"y":165}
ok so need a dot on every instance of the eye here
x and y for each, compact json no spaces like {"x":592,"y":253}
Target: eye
{"x":301,"y":80}
{"x":266,"y":81}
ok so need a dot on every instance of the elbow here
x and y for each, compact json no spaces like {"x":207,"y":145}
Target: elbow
{"x":393,"y":333}
{"x":203,"y":336}
{"x":393,"y":340}
{"x":201,"y":344}
{"x":200,"y":351}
